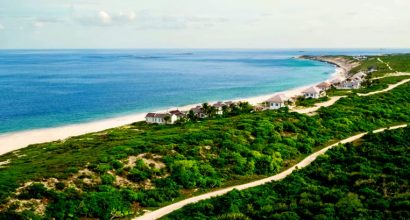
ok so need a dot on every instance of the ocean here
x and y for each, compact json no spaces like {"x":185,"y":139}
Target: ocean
{"x":49,"y":88}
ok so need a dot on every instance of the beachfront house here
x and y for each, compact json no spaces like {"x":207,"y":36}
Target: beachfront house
{"x":313,"y":92}
{"x":179,"y":114}
{"x":199,"y":112}
{"x":219,"y":107}
{"x":277,"y":101}
{"x":324,"y":86}
{"x":360,"y":76}
{"x":160,"y":118}
{"x":350,"y":84}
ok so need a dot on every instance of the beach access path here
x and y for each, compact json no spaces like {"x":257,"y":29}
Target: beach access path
{"x":388,"y":65}
{"x":392,"y":75}
{"x":390,"y":87}
{"x":313,"y":109}
{"x":305,"y":162}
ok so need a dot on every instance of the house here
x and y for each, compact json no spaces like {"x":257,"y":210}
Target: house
{"x":350,"y":84}
{"x":160,"y":118}
{"x":360,"y":58}
{"x":277,"y":101}
{"x":360,"y":76}
{"x":177,"y":113}
{"x":199,"y":112}
{"x":336,"y":82}
{"x":219,"y":107}
{"x":313,"y":92}
{"x":324,"y":86}
{"x":229,"y":103}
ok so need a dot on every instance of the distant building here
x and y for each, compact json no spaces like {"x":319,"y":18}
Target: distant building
{"x":324,"y":86}
{"x":360,"y":76}
{"x":360,"y":58}
{"x":228,"y":103}
{"x":219,"y":107}
{"x":277,"y":101}
{"x":313,"y":92}
{"x":199,"y":112}
{"x":178,"y":113}
{"x":160,"y":118}
{"x":349,"y":84}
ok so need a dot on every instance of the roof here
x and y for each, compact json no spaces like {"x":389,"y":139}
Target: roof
{"x":176,"y":112}
{"x":312,"y":89}
{"x":280,"y":98}
{"x":324,"y":85}
{"x":197,"y":109}
{"x":360,"y":74}
{"x":157,"y":115}
{"x":219,"y":105}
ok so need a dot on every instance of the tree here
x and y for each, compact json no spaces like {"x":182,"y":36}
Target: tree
{"x":167,"y":119}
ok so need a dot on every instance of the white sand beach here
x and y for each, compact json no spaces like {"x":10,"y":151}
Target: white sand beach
{"x":13,"y":141}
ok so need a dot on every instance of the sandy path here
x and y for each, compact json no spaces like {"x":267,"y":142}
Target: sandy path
{"x":388,"y":65}
{"x":392,"y":75}
{"x":168,"y":209}
{"x":387,"y":89}
{"x":332,"y":101}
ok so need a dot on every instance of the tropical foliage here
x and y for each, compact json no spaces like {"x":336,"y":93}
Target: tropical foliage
{"x":368,"y":179}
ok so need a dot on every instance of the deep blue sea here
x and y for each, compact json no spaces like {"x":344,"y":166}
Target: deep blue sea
{"x":48,"y":88}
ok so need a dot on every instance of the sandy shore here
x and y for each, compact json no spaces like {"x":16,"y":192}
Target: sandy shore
{"x":13,"y":141}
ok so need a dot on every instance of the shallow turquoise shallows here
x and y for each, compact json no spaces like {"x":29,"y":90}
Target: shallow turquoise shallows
{"x":48,"y":88}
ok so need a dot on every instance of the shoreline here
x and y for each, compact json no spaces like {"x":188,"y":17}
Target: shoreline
{"x":20,"y":139}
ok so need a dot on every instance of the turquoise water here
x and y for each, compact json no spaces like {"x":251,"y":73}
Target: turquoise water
{"x":47,"y":88}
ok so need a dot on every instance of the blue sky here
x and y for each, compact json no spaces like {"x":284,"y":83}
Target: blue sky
{"x":204,"y":24}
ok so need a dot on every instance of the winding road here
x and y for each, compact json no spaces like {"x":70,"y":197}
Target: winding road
{"x":391,"y":86}
{"x":308,"y":160}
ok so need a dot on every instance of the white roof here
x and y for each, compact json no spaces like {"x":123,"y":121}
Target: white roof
{"x":312,"y":89}
{"x":279,"y":98}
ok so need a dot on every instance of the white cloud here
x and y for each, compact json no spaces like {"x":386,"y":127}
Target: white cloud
{"x":104,"y":17}
{"x":2,"y":27}
{"x":38,"y":24}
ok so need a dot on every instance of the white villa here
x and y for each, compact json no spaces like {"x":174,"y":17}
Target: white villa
{"x":199,"y":112}
{"x":178,"y":113}
{"x":349,"y":84}
{"x":313,"y":92}
{"x":324,"y":86}
{"x":218,"y":106}
{"x":354,"y":82}
{"x":277,"y":101}
{"x":159,"y":118}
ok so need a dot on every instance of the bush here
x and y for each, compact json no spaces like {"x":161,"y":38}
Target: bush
{"x":107,"y":179}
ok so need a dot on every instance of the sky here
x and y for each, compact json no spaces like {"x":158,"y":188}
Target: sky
{"x":54,"y":24}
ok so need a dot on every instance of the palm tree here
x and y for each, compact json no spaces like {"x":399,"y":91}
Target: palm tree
{"x":167,"y":119}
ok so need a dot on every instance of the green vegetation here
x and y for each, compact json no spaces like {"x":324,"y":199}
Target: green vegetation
{"x":398,"y":62}
{"x":368,"y":179}
{"x":309,"y":102}
{"x":122,"y":171}
{"x":380,"y":84}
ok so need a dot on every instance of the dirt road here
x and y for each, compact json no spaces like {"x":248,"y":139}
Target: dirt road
{"x":168,"y":209}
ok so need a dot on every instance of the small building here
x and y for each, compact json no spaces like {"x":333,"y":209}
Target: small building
{"x":229,"y":103}
{"x":199,"y":112}
{"x":219,"y":107}
{"x":336,"y":82}
{"x":177,"y":113}
{"x":360,"y":76}
{"x":160,"y":118}
{"x":324,"y":86}
{"x":350,"y":84}
{"x":313,"y":92}
{"x":277,"y":101}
